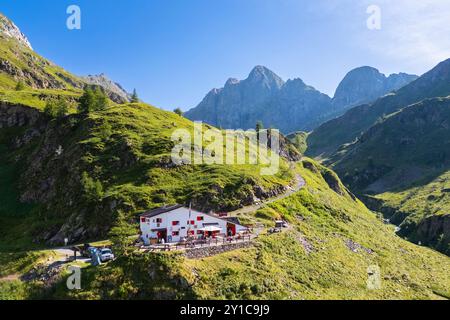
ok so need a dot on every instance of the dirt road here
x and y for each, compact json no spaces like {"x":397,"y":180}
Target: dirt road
{"x":298,"y":184}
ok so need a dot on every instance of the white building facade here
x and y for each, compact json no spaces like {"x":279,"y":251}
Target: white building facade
{"x":175,"y":223}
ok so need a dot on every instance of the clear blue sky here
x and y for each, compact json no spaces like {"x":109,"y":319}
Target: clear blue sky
{"x":174,"y":51}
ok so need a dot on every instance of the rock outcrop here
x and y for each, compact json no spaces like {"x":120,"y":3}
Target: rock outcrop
{"x":114,"y":90}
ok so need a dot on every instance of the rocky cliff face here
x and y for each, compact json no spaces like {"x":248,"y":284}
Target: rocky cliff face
{"x":10,"y":30}
{"x":435,"y":230}
{"x":296,"y":106}
{"x":12,"y":115}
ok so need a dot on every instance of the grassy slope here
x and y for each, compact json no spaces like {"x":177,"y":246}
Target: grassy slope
{"x":146,"y":184}
{"x":428,"y":199}
{"x":405,"y":161}
{"x":309,"y":261}
{"x":37,"y":98}
{"x":279,"y":267}
{"x":15,"y":221}
{"x":141,"y":184}
{"x":127,"y":148}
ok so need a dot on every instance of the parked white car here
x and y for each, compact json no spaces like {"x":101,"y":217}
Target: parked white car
{"x":106,"y":255}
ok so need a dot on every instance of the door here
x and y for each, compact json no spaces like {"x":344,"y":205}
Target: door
{"x":231,"y":229}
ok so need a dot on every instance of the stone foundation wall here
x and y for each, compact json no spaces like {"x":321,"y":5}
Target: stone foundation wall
{"x":199,"y":253}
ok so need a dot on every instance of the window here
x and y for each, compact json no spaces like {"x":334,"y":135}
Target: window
{"x":191,"y":233}
{"x":159,"y":220}
{"x":176,"y":233}
{"x":175,"y":223}
{"x":199,"y":232}
{"x":143,"y":220}
{"x":200,"y":218}
{"x":192,"y":222}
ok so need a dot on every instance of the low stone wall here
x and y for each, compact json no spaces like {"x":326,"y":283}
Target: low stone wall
{"x":199,"y":253}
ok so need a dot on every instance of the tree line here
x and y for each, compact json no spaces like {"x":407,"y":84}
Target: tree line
{"x":93,"y":99}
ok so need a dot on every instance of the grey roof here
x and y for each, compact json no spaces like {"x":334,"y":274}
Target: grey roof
{"x":158,"y":211}
{"x":234,"y":220}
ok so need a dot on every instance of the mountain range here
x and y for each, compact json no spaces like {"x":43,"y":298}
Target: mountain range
{"x":292,"y":105}
{"x":326,"y":139}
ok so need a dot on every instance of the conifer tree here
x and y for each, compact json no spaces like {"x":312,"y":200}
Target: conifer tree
{"x":134,"y":97}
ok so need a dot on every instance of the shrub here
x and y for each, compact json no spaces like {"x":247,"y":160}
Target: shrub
{"x":93,"y":189}
{"x":56,"y":108}
{"x":92,"y":100}
{"x":179,"y":112}
{"x":20,"y":86}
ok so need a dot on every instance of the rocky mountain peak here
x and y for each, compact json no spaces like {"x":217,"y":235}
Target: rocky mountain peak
{"x":366,"y":84}
{"x":10,"y":30}
{"x":117,"y":93}
{"x":261,"y":74}
{"x":296,"y":83}
{"x":231,"y":82}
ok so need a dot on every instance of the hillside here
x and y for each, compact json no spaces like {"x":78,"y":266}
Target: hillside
{"x":405,"y":160}
{"x":292,"y":105}
{"x":326,"y":254}
{"x":327,"y":139}
{"x":126,"y":150}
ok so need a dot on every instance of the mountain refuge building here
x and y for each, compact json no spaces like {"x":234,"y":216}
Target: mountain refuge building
{"x":176,"y":223}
